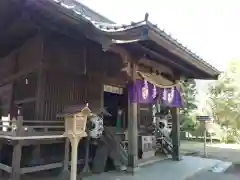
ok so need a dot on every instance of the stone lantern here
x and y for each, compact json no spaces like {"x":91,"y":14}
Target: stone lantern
{"x":75,"y":125}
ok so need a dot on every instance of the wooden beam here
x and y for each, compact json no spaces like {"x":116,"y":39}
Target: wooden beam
{"x":11,"y":37}
{"x":185,"y":56}
{"x":45,"y":167}
{"x":27,"y":100}
{"x":171,"y":62}
{"x":41,"y":137}
{"x":13,"y":15}
{"x":53,"y":24}
{"x":53,"y":68}
{"x":5,"y":168}
{"x":20,"y":74}
{"x":34,"y":142}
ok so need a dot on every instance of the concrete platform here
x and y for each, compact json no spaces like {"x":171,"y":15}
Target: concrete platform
{"x":164,"y":170}
{"x":189,"y":167}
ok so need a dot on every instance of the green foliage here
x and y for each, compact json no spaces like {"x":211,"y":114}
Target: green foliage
{"x":188,"y":124}
{"x":224,"y":97}
{"x":231,"y":136}
{"x":188,"y":90}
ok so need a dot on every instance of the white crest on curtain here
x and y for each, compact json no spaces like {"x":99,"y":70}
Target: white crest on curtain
{"x":154,"y":94}
{"x":145,"y":90}
{"x":171,"y":95}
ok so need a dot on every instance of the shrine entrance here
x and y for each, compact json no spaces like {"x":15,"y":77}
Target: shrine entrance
{"x":115,"y":102}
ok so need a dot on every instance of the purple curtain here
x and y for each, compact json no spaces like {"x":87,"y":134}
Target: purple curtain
{"x":144,"y":92}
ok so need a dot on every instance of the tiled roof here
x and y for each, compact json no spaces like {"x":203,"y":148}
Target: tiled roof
{"x":105,"y":25}
{"x":82,"y":10}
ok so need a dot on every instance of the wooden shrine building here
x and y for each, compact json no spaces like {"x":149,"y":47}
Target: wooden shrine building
{"x":58,"y":53}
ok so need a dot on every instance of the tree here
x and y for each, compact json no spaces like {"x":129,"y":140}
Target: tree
{"x":224,"y":97}
{"x":189,"y":96}
{"x":188,"y":90}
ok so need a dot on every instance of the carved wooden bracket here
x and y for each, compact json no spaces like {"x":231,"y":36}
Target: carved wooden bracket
{"x":126,"y":58}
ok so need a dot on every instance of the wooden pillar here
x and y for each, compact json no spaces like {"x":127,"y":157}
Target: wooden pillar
{"x":175,"y":134}
{"x":1,"y":146}
{"x":36,"y":153}
{"x":40,"y":96}
{"x":41,"y":84}
{"x":40,"y":100}
{"x":17,"y":148}
{"x":133,"y":128}
{"x":66,"y":173}
{"x":12,"y":110}
{"x":16,"y":160}
{"x":130,"y":70}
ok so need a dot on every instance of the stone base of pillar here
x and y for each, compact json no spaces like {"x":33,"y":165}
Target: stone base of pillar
{"x":64,"y":175}
{"x":132,"y":170}
{"x":84,"y":174}
{"x":132,"y":164}
{"x":177,"y":158}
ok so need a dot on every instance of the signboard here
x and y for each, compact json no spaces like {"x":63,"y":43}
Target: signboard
{"x":203,"y":118}
{"x":113,"y":89}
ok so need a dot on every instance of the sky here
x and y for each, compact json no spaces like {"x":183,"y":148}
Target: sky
{"x":209,"y":28}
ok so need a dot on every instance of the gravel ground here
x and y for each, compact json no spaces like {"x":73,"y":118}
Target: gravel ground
{"x":224,"y":152}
